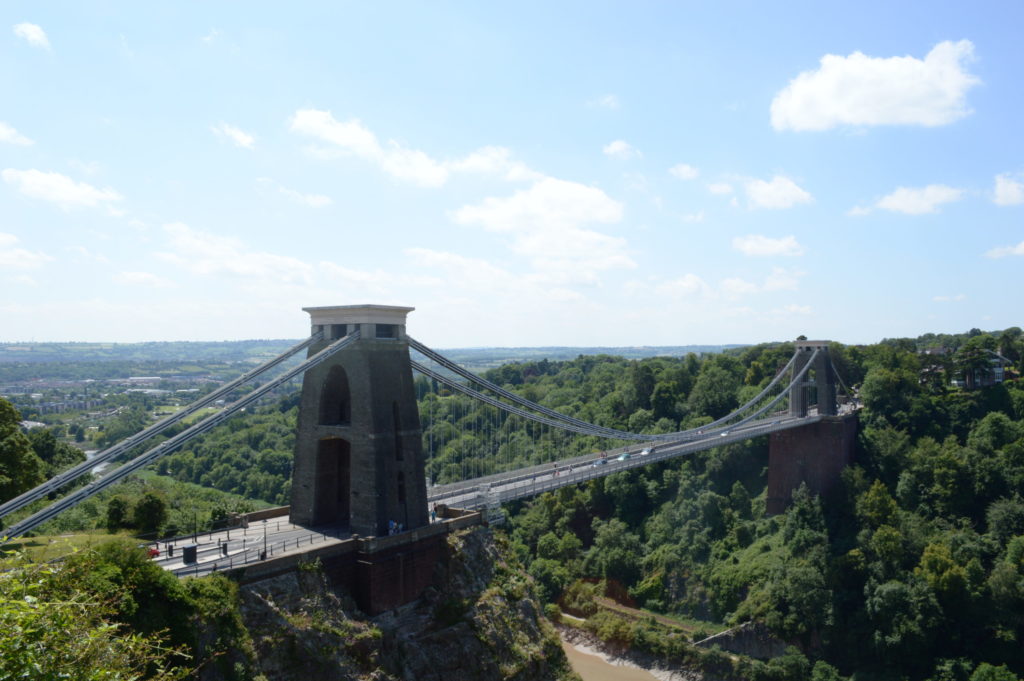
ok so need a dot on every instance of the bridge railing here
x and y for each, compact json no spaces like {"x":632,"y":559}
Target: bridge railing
{"x":583,"y":469}
{"x":256,"y":552}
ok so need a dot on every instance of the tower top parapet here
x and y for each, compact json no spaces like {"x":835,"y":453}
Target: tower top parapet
{"x":358,"y":314}
{"x":812,"y":344}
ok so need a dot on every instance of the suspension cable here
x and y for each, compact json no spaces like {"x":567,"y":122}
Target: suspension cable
{"x":173,"y":443}
{"x":61,"y":479}
{"x":593,"y":429}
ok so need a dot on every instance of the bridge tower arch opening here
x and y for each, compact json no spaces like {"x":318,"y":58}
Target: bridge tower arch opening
{"x":334,"y":481}
{"x":335,"y":398}
{"x":358,"y":449}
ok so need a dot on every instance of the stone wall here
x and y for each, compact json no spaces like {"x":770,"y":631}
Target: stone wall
{"x":381,"y":573}
{"x":815,"y":454}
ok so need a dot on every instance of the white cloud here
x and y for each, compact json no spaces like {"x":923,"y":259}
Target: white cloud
{"x":1008,"y":191}
{"x":721,"y":188}
{"x":59,"y":189}
{"x":693,"y":217}
{"x":85,"y":167}
{"x":949,"y":299}
{"x":792,"y":309}
{"x":146,"y":279}
{"x":311,"y":200}
{"x":494,"y":161}
{"x":684,"y":171}
{"x":757,"y":244}
{"x":14,"y":258}
{"x":734,"y":287}
{"x":238,"y":137}
{"x":375,"y":282}
{"x":548,"y":204}
{"x":860,"y":90}
{"x":859,"y":211}
{"x":466,"y":273}
{"x":731,"y":288}
{"x":9,"y":135}
{"x":211,"y":36}
{"x":782,"y":279}
{"x":1003,"y":251}
{"x":504,"y":290}
{"x":621,"y":150}
{"x":85,"y":254}
{"x":352,"y":138}
{"x":33,"y":34}
{"x":209,"y":254}
{"x":23,"y":280}
{"x":780,"y":192}
{"x":545,"y":222}
{"x":687,"y":286}
{"x":605,"y":102}
{"x":913,"y":201}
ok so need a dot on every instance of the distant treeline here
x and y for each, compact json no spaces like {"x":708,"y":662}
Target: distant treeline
{"x":174,"y":351}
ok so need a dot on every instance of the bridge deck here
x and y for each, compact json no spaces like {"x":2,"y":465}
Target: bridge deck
{"x":238,"y":546}
{"x":276,"y":537}
{"x":527,"y":482}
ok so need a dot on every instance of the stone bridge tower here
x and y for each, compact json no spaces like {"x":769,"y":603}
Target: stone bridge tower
{"x":817,"y":453}
{"x":358,"y":449}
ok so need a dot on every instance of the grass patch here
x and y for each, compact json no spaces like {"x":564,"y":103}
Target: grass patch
{"x":52,"y":546}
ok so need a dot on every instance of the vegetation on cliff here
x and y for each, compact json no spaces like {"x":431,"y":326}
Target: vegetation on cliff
{"x":110,"y":613}
{"x":913,"y":569}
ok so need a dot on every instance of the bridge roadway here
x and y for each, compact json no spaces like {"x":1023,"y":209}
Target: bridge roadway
{"x":237,"y":547}
{"x":527,"y":482}
{"x":278,"y":536}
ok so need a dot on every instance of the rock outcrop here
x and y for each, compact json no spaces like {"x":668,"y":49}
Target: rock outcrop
{"x":480,"y":620}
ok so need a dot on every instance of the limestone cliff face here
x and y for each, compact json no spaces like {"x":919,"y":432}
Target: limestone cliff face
{"x":480,"y":620}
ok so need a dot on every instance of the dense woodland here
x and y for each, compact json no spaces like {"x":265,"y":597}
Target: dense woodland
{"x":914,"y":569}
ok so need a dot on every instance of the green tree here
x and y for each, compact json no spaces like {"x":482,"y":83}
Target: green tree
{"x":823,"y":671}
{"x":904,"y":617}
{"x":615,"y":554}
{"x":739,"y":500}
{"x":714,"y":393}
{"x":56,"y":454}
{"x":800,"y":601}
{"x":150,"y":512}
{"x":20,"y":468}
{"x":876,"y":507}
{"x":988,"y":672}
{"x":889,"y":393}
{"x":973,"y":359}
{"x":117,"y":513}
{"x":947,"y":578}
{"x":53,"y":628}
{"x":1005,"y":518}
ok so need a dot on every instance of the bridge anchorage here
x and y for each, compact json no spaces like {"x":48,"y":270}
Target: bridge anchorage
{"x":359,"y":493}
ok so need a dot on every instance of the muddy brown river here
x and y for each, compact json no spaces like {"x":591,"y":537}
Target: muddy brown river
{"x":594,"y":668}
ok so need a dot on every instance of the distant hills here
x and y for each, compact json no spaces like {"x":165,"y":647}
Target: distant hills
{"x":257,"y":350}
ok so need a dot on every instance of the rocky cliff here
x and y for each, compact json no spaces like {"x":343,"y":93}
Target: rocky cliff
{"x":480,"y":620}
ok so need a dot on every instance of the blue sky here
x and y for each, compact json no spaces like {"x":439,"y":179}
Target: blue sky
{"x":529,"y":174}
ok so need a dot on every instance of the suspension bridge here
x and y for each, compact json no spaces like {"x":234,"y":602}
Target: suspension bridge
{"x":359,"y":466}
